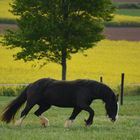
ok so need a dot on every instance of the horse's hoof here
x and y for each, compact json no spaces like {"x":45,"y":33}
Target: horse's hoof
{"x":87,"y":123}
{"x":68,"y":123}
{"x":18,"y":122}
{"x":44,"y":121}
{"x":45,"y":124}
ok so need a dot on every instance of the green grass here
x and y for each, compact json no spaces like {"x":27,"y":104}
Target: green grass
{"x":109,"y":59}
{"x":127,"y":127}
{"x":127,"y":5}
{"x":128,"y":12}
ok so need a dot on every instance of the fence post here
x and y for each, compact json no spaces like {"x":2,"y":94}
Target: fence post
{"x":101,"y":79}
{"x":122,"y":88}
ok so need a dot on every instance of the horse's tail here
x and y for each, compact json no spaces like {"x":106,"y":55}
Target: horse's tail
{"x":11,"y":109}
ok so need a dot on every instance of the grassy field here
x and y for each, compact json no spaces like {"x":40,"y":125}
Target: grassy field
{"x":127,"y":126}
{"x":108,"y":59}
{"x":128,"y":12}
{"x":127,"y":5}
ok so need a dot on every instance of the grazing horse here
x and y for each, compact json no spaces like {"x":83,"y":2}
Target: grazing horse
{"x":77,"y":94}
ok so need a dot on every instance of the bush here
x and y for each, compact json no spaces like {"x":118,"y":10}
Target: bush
{"x":128,"y":90}
{"x":11,"y":91}
{"x":132,"y":90}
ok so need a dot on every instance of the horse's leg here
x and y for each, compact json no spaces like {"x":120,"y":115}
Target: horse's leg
{"x":24,"y":113}
{"x":89,"y":121}
{"x":39,"y":113}
{"x":75,"y":112}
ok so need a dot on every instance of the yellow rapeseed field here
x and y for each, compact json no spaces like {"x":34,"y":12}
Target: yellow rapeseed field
{"x":4,"y":10}
{"x":126,"y":19}
{"x":108,"y":59}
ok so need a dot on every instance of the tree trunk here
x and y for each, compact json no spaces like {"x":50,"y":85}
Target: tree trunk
{"x":64,"y":50}
{"x":64,"y":64}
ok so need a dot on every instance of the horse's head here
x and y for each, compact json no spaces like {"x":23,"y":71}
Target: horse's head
{"x":112,"y":108}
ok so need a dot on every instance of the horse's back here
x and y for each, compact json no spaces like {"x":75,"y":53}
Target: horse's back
{"x":68,"y":93}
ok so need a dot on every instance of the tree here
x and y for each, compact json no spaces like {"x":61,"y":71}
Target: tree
{"x":53,"y":30}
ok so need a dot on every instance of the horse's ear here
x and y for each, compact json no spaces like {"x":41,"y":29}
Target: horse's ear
{"x":117,"y":97}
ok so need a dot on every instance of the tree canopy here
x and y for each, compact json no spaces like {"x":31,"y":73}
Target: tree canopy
{"x":54,"y":29}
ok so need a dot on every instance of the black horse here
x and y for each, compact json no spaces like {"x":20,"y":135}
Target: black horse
{"x":77,"y":94}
